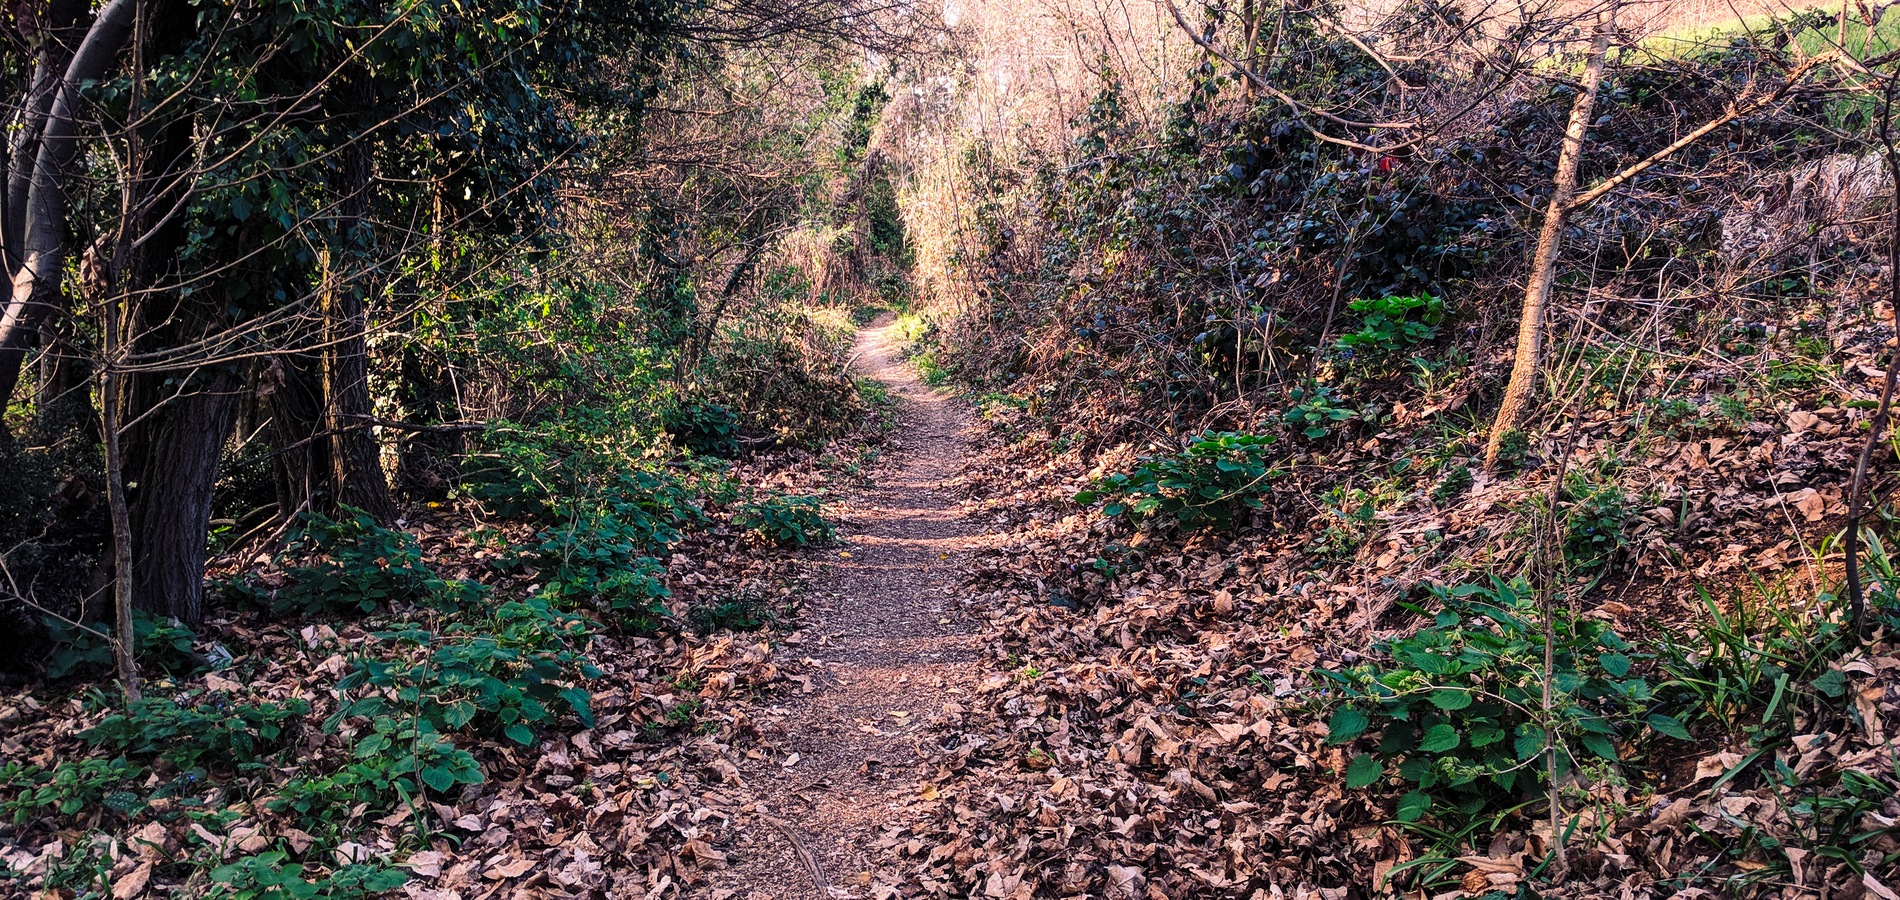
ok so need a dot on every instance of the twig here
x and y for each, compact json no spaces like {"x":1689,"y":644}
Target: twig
{"x":818,"y":879}
{"x":1857,"y":491}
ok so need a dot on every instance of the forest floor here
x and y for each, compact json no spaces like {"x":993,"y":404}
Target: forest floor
{"x":885,"y":652}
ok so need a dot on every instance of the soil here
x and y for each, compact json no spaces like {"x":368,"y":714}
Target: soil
{"x":885,"y":650}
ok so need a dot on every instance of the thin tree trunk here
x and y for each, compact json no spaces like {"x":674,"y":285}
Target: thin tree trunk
{"x":111,"y":401}
{"x":1857,"y":487}
{"x":356,"y":470}
{"x":1530,"y":328}
{"x":321,"y":398}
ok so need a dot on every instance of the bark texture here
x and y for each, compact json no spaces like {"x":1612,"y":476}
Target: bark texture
{"x":1530,"y":326}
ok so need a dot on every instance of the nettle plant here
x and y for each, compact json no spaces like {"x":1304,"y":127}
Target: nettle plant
{"x":504,"y":677}
{"x":349,"y":564}
{"x":1390,"y":324}
{"x":1209,"y":482}
{"x":787,"y":520}
{"x":1456,"y":710}
{"x":1315,"y":409}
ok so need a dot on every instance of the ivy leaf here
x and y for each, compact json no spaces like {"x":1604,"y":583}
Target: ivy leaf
{"x":1363,"y":770}
{"x":1616,"y":664}
{"x":1439,"y":739}
{"x":1668,"y":725}
{"x":1413,"y":806}
{"x":1347,"y":723}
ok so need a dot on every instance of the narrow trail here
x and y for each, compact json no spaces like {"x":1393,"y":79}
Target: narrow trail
{"x":886,"y":652}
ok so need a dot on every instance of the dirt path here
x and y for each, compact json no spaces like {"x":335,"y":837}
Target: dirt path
{"x":885,"y":653}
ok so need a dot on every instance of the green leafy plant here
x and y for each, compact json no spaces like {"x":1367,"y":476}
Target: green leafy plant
{"x":498,"y":678}
{"x":394,"y":759}
{"x":1593,"y":522}
{"x":28,"y":790}
{"x":787,"y":520}
{"x":1349,"y":514}
{"x":1514,"y":447}
{"x":704,"y":427}
{"x":1389,"y":324}
{"x":1212,"y":479}
{"x":503,"y":676}
{"x":1453,"y":485}
{"x":1314,"y":410}
{"x":349,"y":564}
{"x":597,"y":564}
{"x":210,"y":729}
{"x":272,"y":876}
{"x":164,"y":646}
{"x":750,"y":609}
{"x":1457,"y":710}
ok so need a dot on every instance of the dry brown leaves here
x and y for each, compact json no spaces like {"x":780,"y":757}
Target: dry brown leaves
{"x":1146,"y":735}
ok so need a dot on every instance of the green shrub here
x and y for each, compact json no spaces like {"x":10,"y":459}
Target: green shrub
{"x":211,"y":730}
{"x":704,"y":427}
{"x":394,"y":762}
{"x":1454,"y":485}
{"x":350,"y":565}
{"x":70,"y":787}
{"x":164,"y":646}
{"x":499,"y":677}
{"x":748,"y":610}
{"x":1315,"y":410}
{"x":787,"y":520}
{"x":271,"y":876}
{"x":1593,"y":523}
{"x":1457,"y":707}
{"x":602,"y":557}
{"x":597,"y":564}
{"x":1514,"y":447}
{"x":781,"y":368}
{"x":1390,"y":324}
{"x":1209,"y":482}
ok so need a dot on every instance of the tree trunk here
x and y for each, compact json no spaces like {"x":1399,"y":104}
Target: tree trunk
{"x":356,"y":469}
{"x":321,"y":399}
{"x":1530,"y":327}
{"x":56,"y":33}
{"x":42,"y":253}
{"x":64,"y":405}
{"x":175,"y":454}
